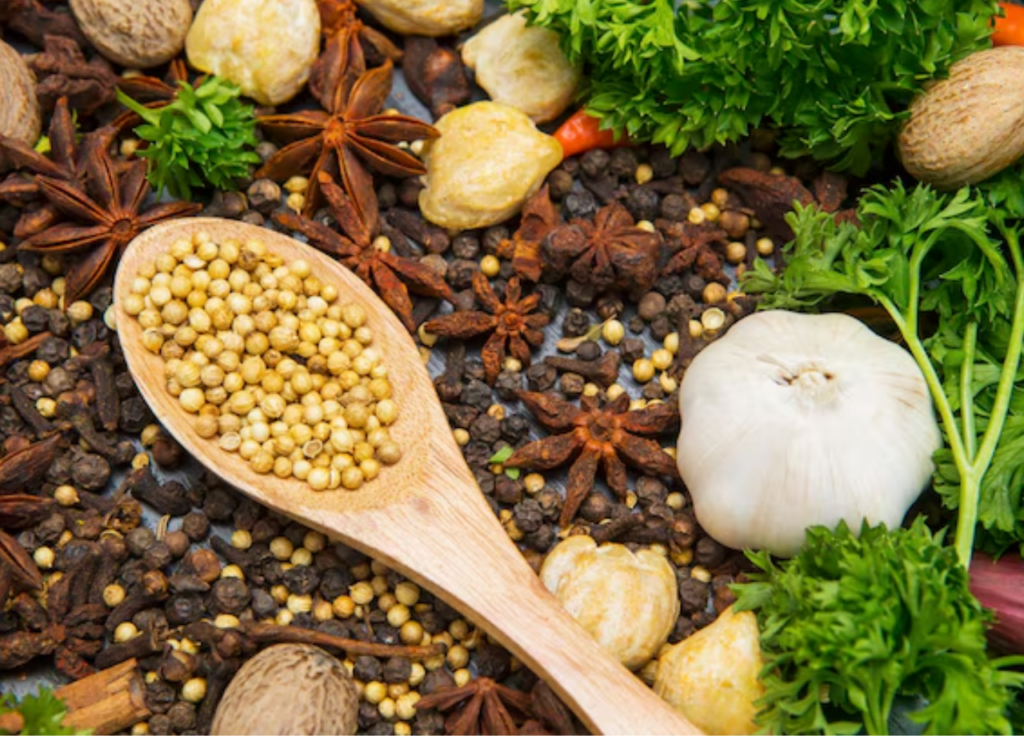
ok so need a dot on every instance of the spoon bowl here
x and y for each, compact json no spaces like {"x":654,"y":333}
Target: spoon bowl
{"x":424,"y":516}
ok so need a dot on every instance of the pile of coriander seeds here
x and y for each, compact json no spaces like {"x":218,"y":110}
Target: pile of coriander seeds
{"x":268,"y":361}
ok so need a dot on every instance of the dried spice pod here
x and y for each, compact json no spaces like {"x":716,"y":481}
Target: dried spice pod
{"x":20,"y":117}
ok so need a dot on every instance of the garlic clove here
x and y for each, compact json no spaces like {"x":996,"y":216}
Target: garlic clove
{"x":793,"y":420}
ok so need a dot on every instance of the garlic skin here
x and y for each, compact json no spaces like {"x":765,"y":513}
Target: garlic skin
{"x":793,"y":420}
{"x":627,"y":601}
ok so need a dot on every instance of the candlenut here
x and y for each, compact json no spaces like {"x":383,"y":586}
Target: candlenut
{"x":489,"y":159}
{"x":627,"y":601}
{"x":267,"y":47}
{"x":523,"y":66}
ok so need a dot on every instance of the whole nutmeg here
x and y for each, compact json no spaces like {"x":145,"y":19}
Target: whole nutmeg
{"x":289,"y":689}
{"x":966,"y":128}
{"x":711,"y":676}
{"x":628,"y":602}
{"x":20,"y":117}
{"x":135,"y":33}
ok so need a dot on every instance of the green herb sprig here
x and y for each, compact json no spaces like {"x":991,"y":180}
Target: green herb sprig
{"x":835,"y":75}
{"x":205,"y":137}
{"x":949,"y":271}
{"x":43,"y":714}
{"x":850,"y":624}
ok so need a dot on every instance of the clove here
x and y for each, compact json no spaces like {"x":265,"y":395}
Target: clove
{"x":604,"y":370}
{"x":143,"y":645}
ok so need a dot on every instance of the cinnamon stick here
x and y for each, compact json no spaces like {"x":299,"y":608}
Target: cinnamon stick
{"x":107,"y":702}
{"x":275,"y":634}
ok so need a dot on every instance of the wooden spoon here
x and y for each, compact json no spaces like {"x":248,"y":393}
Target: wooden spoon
{"x":424,"y":516}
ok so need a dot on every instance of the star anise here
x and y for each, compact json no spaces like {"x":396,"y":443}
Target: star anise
{"x":18,"y":470}
{"x":594,"y":435}
{"x":103,"y":219}
{"x":608,"y":252}
{"x":63,"y":71}
{"x":539,"y":217}
{"x":70,"y":627}
{"x":487,"y":708}
{"x":64,"y":162}
{"x":696,"y":247}
{"x":389,"y":274}
{"x":339,"y":17}
{"x":349,"y":134}
{"x":513,"y":324}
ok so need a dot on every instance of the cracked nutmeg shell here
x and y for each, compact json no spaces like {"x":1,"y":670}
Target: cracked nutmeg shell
{"x":20,"y":117}
{"x":289,"y":689}
{"x":966,"y":128}
{"x":138,"y":34}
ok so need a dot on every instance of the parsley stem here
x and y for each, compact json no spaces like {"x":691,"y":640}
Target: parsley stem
{"x":969,"y":484}
{"x":967,"y":389}
{"x":970,"y":493}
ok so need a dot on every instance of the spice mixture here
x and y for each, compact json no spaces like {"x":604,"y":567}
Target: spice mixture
{"x":556,"y":341}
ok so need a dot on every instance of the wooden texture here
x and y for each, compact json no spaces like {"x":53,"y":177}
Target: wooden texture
{"x":424,"y":516}
{"x":110,"y":701}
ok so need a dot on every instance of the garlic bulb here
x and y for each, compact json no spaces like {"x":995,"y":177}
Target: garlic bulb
{"x":793,"y":420}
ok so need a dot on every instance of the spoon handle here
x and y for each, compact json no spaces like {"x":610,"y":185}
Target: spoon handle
{"x":472,"y":564}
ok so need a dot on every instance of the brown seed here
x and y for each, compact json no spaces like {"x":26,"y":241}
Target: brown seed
{"x":205,"y":565}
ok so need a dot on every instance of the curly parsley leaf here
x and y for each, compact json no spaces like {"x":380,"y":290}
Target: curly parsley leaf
{"x":42,"y":713}
{"x":852,"y":623}
{"x":206,"y":137}
{"x":835,"y":75}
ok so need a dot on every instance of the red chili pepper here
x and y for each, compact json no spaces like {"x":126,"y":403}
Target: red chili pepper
{"x":1009,"y":29}
{"x":582,"y":133}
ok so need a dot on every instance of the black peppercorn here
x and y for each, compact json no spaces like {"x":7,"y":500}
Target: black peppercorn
{"x":588,"y":350}
{"x":367,"y":668}
{"x":229,"y":595}
{"x":139,"y":540}
{"x":157,"y":556}
{"x":177,"y":542}
{"x":184,"y":609}
{"x":335,"y":582}
{"x":195,"y":525}
{"x":263,"y":605}
{"x":301,"y":579}
{"x":397,"y":669}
